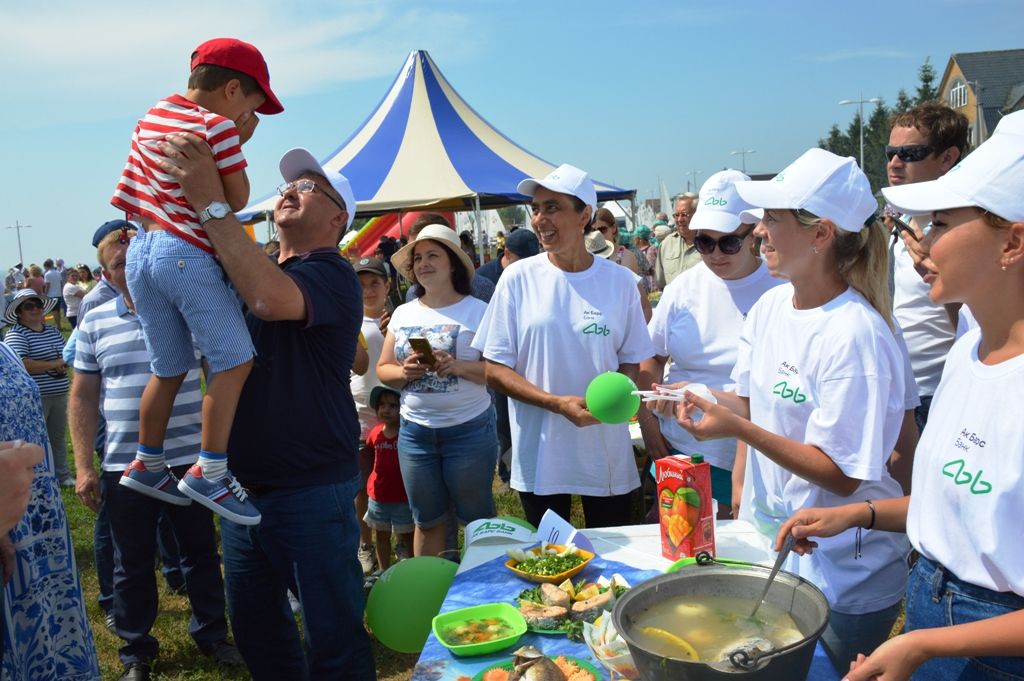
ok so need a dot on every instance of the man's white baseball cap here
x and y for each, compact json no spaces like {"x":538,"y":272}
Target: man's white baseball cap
{"x":720,"y":207}
{"x":991,"y":177}
{"x":821,"y":183}
{"x":296,"y":162}
{"x":565,"y":179}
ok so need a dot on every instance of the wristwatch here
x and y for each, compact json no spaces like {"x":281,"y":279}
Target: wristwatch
{"x":215,"y":211}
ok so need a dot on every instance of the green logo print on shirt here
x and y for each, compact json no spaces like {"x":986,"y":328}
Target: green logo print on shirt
{"x":956,"y":469}
{"x":783,"y":390}
{"x":593,"y":329}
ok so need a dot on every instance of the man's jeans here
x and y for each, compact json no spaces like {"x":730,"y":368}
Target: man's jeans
{"x":306,"y":542}
{"x":133,"y":524}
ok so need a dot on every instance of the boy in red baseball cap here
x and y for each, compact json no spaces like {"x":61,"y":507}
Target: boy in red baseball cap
{"x":178,"y":287}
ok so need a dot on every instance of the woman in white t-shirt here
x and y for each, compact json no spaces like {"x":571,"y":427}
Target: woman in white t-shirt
{"x":819,"y":388}
{"x":965,"y":597}
{"x":447,"y":441}
{"x":73,"y":293}
{"x":696,"y":327}
{"x":556,"y":321}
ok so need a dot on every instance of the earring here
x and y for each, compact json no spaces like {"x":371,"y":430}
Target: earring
{"x":815,"y":249}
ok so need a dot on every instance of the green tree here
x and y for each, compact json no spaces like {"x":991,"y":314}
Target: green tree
{"x":903,"y":102}
{"x":513,"y":215}
{"x":836,"y":142}
{"x":926,"y":90}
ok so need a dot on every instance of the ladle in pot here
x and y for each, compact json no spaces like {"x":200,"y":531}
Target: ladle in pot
{"x":787,"y":546}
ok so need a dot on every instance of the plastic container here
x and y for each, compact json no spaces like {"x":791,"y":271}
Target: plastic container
{"x":503,"y":611}
{"x":550,"y":579}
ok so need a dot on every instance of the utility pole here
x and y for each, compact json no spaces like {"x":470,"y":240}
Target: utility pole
{"x":18,"y":227}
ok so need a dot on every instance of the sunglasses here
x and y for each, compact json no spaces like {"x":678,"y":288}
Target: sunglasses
{"x":30,"y":305}
{"x":729,"y":245}
{"x":909,"y":153}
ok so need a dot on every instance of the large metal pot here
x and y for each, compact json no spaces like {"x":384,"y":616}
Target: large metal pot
{"x":803,"y":600}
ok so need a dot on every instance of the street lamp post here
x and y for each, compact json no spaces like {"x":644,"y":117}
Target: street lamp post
{"x":18,"y":227}
{"x":860,"y":102}
{"x":695,"y":175}
{"x":742,"y":153}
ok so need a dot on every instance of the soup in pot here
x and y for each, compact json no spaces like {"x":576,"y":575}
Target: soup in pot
{"x":709,"y":628}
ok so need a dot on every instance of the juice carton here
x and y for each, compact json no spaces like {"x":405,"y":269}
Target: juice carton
{"x":685,"y":506}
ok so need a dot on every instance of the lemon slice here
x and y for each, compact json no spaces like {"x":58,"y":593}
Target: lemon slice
{"x":684,"y":647}
{"x":589,"y":592}
{"x":568,"y":588}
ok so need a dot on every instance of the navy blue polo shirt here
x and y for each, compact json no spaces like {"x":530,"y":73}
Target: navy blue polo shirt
{"x":296,"y":422}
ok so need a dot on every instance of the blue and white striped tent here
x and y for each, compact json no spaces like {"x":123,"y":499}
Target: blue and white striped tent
{"x":424,"y":147}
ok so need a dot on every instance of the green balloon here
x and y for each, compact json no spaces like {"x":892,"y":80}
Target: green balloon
{"x":405,"y":599}
{"x":610,"y":399}
{"x":517,"y":521}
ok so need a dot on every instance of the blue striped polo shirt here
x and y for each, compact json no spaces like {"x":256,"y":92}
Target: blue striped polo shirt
{"x":110,"y":343}
{"x":42,"y":346}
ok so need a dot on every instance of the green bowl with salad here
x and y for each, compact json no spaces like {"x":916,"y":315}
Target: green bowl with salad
{"x":480,"y":629}
{"x":551,"y":563}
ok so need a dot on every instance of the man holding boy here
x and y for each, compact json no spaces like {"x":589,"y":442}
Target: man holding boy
{"x":295,"y":433}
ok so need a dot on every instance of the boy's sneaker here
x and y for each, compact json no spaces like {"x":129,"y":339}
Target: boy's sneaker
{"x":160,"y":485}
{"x":224,"y":497}
{"x":367,"y":558}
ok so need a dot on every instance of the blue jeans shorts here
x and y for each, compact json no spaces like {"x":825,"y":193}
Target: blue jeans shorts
{"x":938,"y":598}
{"x":180,"y":291}
{"x":453,"y":465}
{"x":389,"y":517}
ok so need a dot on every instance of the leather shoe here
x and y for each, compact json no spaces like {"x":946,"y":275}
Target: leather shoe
{"x":223,"y":652}
{"x":136,"y":671}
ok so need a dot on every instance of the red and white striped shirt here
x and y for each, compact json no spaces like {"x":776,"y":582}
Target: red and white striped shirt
{"x":146,"y":190}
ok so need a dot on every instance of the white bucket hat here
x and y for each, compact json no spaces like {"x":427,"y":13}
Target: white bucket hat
{"x":565,"y":179}
{"x":297,"y":162}
{"x":402,"y":259}
{"x":991,"y":177}
{"x":720,"y":208}
{"x":11,"y":313}
{"x":820,"y":182}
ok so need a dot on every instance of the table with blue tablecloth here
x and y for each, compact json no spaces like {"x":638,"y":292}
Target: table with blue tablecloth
{"x":632,"y":551}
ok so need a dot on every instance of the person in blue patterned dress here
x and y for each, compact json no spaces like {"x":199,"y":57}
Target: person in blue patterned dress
{"x":46,"y":633}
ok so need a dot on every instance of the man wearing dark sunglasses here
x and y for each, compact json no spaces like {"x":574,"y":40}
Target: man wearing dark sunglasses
{"x":924,"y":144}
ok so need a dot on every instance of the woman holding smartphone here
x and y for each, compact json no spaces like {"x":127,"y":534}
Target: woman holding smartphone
{"x":965,"y":597}
{"x":447,"y":441}
{"x":820,"y":388}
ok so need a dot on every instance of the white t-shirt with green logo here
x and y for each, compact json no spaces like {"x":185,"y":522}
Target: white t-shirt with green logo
{"x":968,"y":499}
{"x":831,"y":377}
{"x":559,"y":330}
{"x":697,"y":323}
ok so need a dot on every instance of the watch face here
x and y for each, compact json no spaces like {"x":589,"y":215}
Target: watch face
{"x":218,"y":209}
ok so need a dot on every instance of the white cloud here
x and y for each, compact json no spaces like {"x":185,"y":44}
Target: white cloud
{"x":95,"y":61}
{"x":862,"y":53}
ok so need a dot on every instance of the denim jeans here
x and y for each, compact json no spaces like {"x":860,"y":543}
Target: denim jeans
{"x":846,"y":635}
{"x":451,"y":465}
{"x":937,"y":598}
{"x":133,"y":525}
{"x":306,"y":543}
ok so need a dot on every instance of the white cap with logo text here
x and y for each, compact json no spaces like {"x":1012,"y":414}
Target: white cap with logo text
{"x":720,"y":208}
{"x":821,"y":183}
{"x":565,"y":179}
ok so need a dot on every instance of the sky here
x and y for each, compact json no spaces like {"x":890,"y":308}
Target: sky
{"x":633,"y":92}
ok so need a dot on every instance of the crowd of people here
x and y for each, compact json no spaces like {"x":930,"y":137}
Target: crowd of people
{"x":335,"y":421}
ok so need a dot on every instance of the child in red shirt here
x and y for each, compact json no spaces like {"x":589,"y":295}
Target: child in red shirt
{"x":388,"y":507}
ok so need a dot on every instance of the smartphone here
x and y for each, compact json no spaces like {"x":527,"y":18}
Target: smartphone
{"x":422,"y":346}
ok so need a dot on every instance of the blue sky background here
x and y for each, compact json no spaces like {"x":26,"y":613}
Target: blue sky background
{"x":630,"y":91}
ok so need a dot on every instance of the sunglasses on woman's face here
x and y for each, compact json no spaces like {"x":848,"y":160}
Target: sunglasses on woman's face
{"x":908,"y":153}
{"x":729,"y":245}
{"x":30,"y":306}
